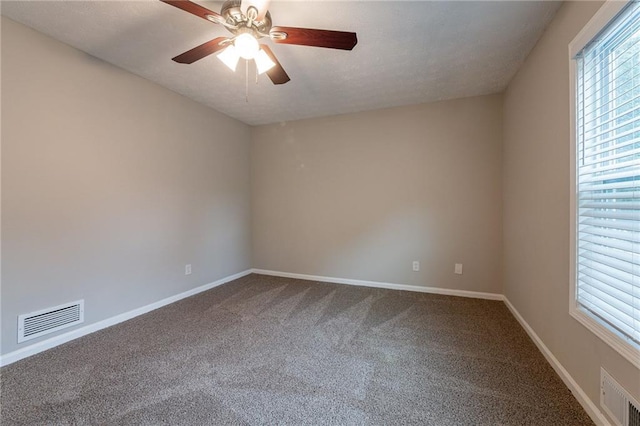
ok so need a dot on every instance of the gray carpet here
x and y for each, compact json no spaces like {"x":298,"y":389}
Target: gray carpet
{"x":265,"y":350}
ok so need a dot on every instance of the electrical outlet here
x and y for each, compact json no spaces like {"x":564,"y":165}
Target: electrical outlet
{"x":187,"y":269}
{"x":416,"y":265}
{"x":458,"y":269}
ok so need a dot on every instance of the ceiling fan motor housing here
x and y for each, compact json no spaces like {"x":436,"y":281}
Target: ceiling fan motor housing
{"x":232,"y":13}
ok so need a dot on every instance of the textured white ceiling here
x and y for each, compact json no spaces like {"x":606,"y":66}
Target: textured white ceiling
{"x":408,"y":52}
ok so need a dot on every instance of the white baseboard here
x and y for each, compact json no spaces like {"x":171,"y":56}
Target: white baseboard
{"x":43,"y":345}
{"x":588,"y":405}
{"x":378,"y":284}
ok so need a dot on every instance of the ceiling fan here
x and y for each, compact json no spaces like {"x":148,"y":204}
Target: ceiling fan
{"x":249,"y":21}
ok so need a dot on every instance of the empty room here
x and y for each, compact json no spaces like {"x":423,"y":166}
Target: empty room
{"x":320,"y":212}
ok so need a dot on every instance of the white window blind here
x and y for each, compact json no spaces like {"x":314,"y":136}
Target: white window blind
{"x":608,"y":175}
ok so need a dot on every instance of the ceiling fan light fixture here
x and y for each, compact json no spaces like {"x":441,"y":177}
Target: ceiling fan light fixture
{"x":229,"y":57}
{"x":263,"y":62}
{"x":247,"y":46}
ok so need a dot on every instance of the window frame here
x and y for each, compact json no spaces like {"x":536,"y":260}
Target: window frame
{"x":612,"y":337}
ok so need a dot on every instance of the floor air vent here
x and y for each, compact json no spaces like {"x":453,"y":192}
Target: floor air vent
{"x":617,"y":403}
{"x":634,"y":415}
{"x":48,"y":320}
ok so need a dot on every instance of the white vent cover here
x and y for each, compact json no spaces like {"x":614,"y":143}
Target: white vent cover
{"x":617,"y":403}
{"x":48,"y":320}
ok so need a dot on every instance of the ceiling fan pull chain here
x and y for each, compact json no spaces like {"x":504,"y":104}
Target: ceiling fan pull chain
{"x":246,"y":80}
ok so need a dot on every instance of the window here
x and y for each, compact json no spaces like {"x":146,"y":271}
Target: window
{"x":606,"y":177}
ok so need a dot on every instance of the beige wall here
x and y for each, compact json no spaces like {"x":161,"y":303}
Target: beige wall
{"x":536,"y":206}
{"x":110,"y":185}
{"x":361,"y":196}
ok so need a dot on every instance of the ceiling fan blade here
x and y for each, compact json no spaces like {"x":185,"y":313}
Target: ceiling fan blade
{"x":277,"y":74}
{"x":201,"y":51}
{"x":262,"y":6}
{"x":196,"y":9}
{"x":310,"y":37}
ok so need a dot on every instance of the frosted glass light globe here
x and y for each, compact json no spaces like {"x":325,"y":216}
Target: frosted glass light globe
{"x":246,"y":46}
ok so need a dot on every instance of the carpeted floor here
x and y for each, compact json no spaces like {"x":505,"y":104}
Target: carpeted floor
{"x":265,"y":350}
